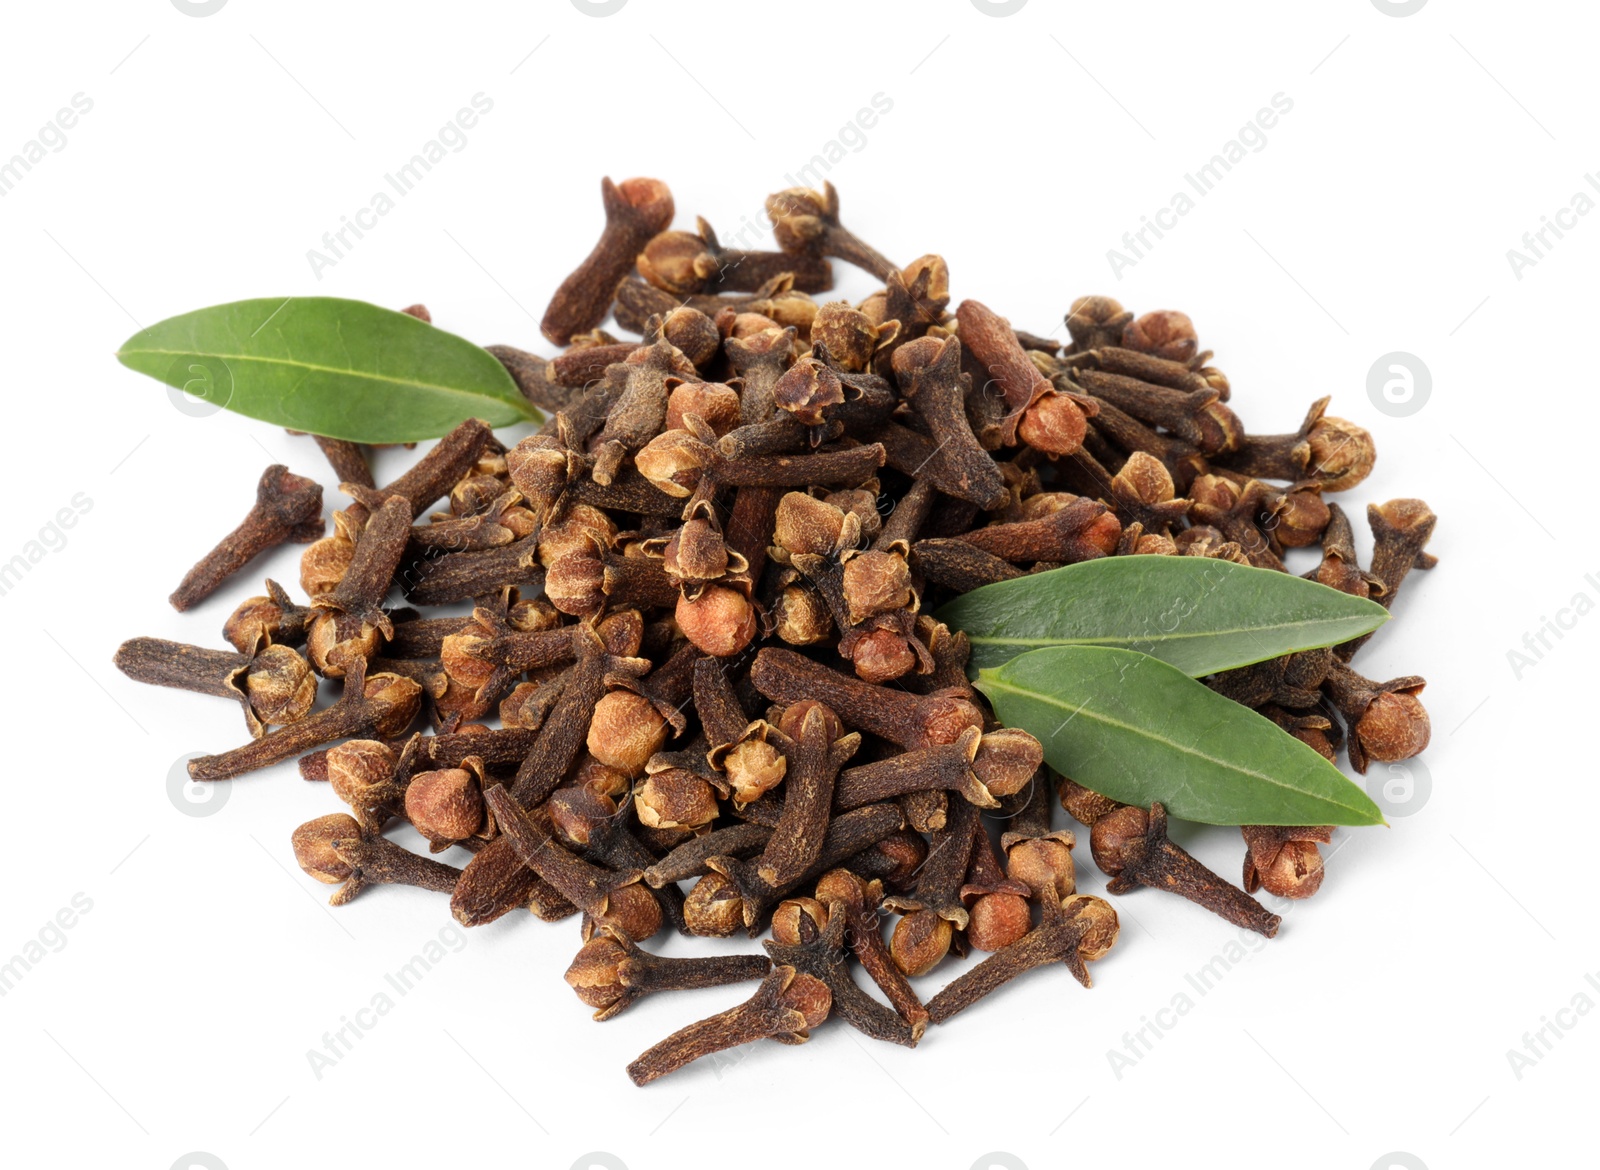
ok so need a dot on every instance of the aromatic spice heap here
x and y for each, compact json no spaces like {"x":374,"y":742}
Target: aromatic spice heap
{"x":700,"y":612}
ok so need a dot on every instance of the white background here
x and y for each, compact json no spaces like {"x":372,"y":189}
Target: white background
{"x":177,"y":1013}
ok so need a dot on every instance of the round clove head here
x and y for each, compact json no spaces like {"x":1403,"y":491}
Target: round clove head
{"x":1341,"y":454}
{"x":575,"y":584}
{"x":876,"y":582}
{"x":807,"y":389}
{"x":1094,"y":322}
{"x":1292,"y":869}
{"x":744,"y":326}
{"x":1165,"y":333}
{"x":714,"y":907}
{"x":794,"y":717}
{"x":359,"y":769}
{"x":805,"y":524}
{"x":720,"y":621}
{"x":323,"y":564}
{"x":1300,"y":520}
{"x":920,"y":940}
{"x":313,"y":846}
{"x":798,"y":921}
{"x":882,"y":655}
{"x":673,"y":461}
{"x":581,"y":528}
{"x":715,"y":403}
{"x":799,"y":218}
{"x":1117,"y":839}
{"x":1102,"y":923}
{"x":998,"y":920}
{"x":255,"y":625}
{"x":675,"y":799}
{"x":541,"y":468}
{"x":696,"y":552}
{"x":800,"y":616}
{"x":396,"y":701}
{"x":932,"y":268}
{"x":694,"y":334}
{"x":336,"y":639}
{"x":753,"y":767}
{"x":576,"y":812}
{"x":1007,"y":759}
{"x":1144,"y":478}
{"x":671,"y":262}
{"x":280,"y":685}
{"x":1044,"y":865}
{"x":465,"y":658}
{"x":846,"y":333}
{"x":446,"y":804}
{"x":633,"y":910}
{"x":596,"y":975}
{"x":1054,"y":424}
{"x":901,"y":855}
{"x":625,"y":731}
{"x":1394,"y":727}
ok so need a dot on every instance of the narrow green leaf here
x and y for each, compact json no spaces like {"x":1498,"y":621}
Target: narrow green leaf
{"x":1133,"y":728}
{"x":345,"y":369}
{"x":1199,"y":614}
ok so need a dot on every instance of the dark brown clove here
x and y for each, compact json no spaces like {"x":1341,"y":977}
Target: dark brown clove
{"x":1085,"y":931}
{"x":816,"y":948}
{"x":1335,"y":453}
{"x":375,"y":860}
{"x":807,"y":222}
{"x":636,"y":209}
{"x":1132,"y":847}
{"x":816,"y":751}
{"x":785,"y":1007}
{"x":1386,"y":721}
{"x":682,"y":263}
{"x":288,"y":507}
{"x":912,"y":721}
{"x":263,"y":621}
{"x":1082,"y":531}
{"x":611,"y":972}
{"x":273,"y":687}
{"x":382,"y":705}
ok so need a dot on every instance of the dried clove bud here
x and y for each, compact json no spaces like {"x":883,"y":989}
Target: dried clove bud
{"x":636,"y":209}
{"x":288,"y":507}
{"x":785,"y":1007}
{"x":610,"y":972}
{"x":1132,"y":847}
{"x":1284,"y":860}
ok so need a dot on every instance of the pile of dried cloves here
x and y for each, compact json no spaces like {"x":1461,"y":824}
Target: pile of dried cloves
{"x":699,"y":611}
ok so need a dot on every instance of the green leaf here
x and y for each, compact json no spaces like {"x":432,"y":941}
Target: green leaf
{"x":345,"y":369}
{"x":1133,"y":728}
{"x":1199,"y":614}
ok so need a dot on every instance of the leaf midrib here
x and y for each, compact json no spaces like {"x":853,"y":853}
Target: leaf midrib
{"x":1082,"y":709}
{"x":1311,"y":623}
{"x":301,"y":365}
